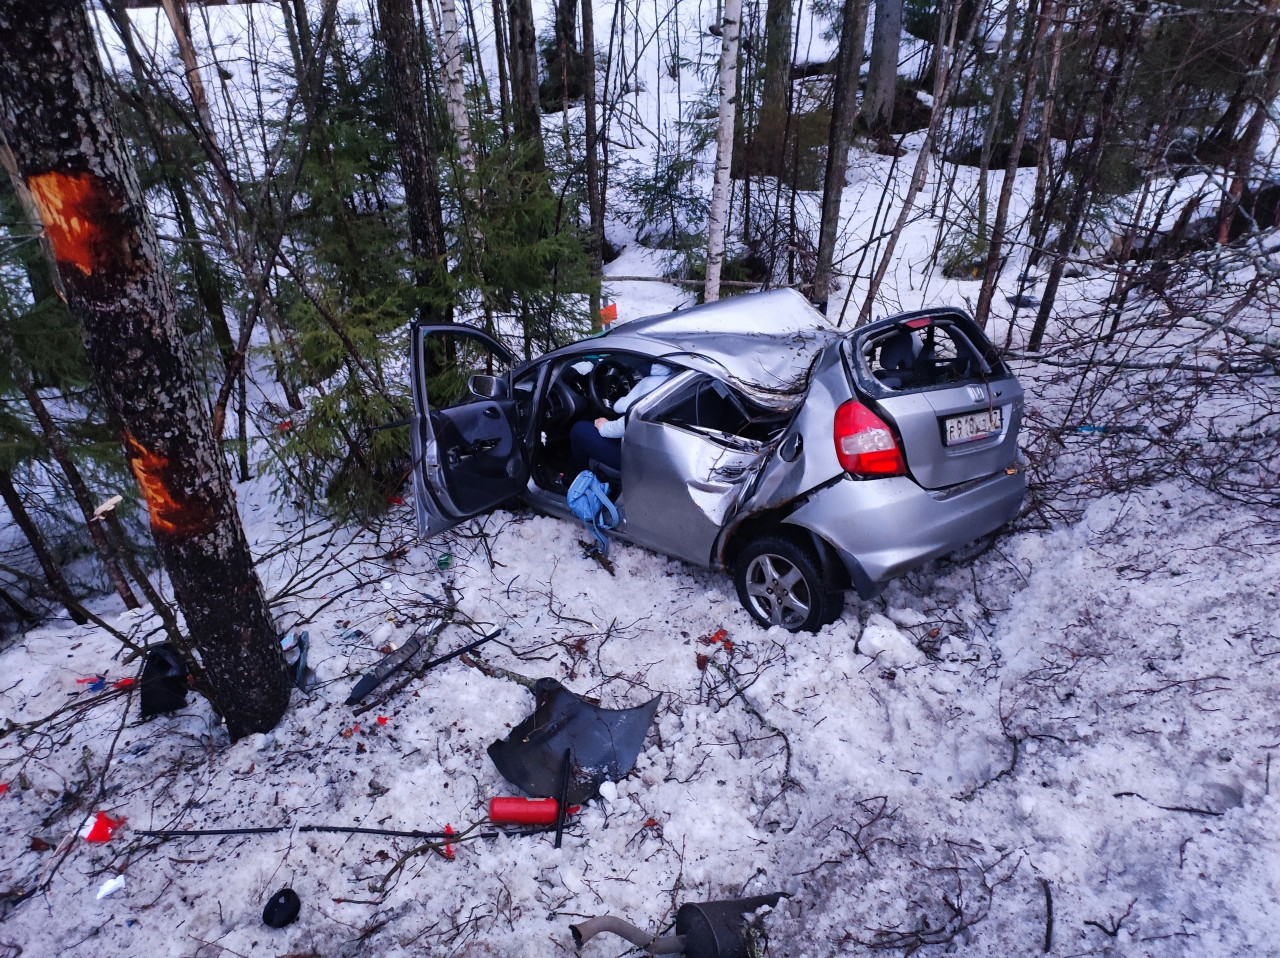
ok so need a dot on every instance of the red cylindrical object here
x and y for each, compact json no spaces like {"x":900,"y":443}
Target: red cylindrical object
{"x":524,"y":811}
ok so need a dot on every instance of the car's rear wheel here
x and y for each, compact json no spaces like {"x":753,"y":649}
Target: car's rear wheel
{"x":780,"y":583}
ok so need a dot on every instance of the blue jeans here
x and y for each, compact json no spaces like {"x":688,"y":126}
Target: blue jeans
{"x":587,"y":444}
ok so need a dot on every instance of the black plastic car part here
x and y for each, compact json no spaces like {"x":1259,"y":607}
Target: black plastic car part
{"x":604,"y":744}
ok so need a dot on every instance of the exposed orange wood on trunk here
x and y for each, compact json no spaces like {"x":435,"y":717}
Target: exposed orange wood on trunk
{"x":77,"y":210}
{"x":171,"y":512}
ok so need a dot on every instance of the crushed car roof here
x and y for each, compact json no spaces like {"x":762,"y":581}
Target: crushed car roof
{"x":764,"y":343}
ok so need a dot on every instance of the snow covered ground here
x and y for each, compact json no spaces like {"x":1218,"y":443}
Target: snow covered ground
{"x":1058,"y":742}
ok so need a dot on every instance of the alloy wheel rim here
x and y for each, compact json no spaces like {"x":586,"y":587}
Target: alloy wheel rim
{"x":778,"y":591}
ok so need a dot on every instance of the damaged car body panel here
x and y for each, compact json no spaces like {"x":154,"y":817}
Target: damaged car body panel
{"x":467,"y":446}
{"x":804,"y":459}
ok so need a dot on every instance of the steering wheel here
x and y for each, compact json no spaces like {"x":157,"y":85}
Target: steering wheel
{"x":610,"y":380}
{"x":564,"y":400}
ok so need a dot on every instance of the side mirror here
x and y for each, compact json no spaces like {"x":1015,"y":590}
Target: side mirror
{"x":487,"y":387}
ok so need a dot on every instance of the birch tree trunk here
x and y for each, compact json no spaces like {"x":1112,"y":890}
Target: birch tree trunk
{"x":724,"y":147}
{"x":455,"y":91}
{"x":56,"y":113}
{"x":853,"y":36}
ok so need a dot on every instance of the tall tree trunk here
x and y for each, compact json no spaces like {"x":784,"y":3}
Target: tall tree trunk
{"x":22,"y":519}
{"x":415,"y":142}
{"x":595,"y":192}
{"x":882,"y":73}
{"x":500,"y":48}
{"x":56,"y":113}
{"x":853,"y":35}
{"x":522,"y":48}
{"x":998,"y":227}
{"x":1121,"y":63}
{"x":946,"y":76}
{"x":766,"y":150}
{"x":455,"y":91}
{"x":724,"y":147}
{"x":62,"y":455}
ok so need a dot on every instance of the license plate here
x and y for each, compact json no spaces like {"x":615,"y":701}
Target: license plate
{"x":974,"y":425}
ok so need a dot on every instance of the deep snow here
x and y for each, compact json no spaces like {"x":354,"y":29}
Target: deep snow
{"x":1058,"y":741}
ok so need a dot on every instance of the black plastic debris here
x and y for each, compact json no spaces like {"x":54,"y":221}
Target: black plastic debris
{"x":282,"y":909}
{"x":605,"y":744}
{"x":708,"y":929}
{"x":717,"y":929}
{"x":394,"y":661}
{"x":164,"y":681}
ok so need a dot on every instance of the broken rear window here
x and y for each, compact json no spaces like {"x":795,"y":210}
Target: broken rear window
{"x":921,"y":353}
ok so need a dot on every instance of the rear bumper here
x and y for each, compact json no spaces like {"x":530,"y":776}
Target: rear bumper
{"x":883,"y":528}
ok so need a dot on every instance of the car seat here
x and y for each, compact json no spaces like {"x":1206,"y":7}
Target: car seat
{"x":897,"y":359}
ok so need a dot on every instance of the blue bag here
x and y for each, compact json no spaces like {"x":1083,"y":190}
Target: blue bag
{"x":589,"y":499}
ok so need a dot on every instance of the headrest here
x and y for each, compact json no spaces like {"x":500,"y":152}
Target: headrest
{"x":899,"y":351}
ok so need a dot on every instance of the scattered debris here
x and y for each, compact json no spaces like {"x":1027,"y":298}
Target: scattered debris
{"x":1110,"y":429}
{"x":592,"y":551}
{"x":282,"y":909}
{"x":605,"y":743}
{"x":103,"y":827}
{"x":526,"y":811}
{"x":396,"y":660}
{"x":111,"y":886}
{"x":164,"y":681}
{"x":295,"y":646}
{"x":709,"y":929}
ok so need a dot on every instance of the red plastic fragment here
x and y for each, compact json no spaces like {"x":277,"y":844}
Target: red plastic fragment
{"x":89,"y":680}
{"x":525,"y":811}
{"x":285,"y":426}
{"x":382,"y":720}
{"x":4,"y":787}
{"x":104,"y":826}
{"x":123,"y":683}
{"x":448,"y":849}
{"x":609,"y":314}
{"x":395,"y":500}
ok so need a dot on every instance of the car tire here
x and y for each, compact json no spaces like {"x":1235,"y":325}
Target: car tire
{"x":780,"y":583}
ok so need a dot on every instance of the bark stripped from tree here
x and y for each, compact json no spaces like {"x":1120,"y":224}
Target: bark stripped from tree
{"x":55,"y":111}
{"x":724,"y":147}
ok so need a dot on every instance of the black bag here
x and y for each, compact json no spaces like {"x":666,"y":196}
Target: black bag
{"x":164,"y":681}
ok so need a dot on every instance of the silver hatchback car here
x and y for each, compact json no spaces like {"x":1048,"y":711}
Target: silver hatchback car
{"x":805,"y":460}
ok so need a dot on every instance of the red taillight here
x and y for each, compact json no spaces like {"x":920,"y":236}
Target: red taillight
{"x":865,"y":446}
